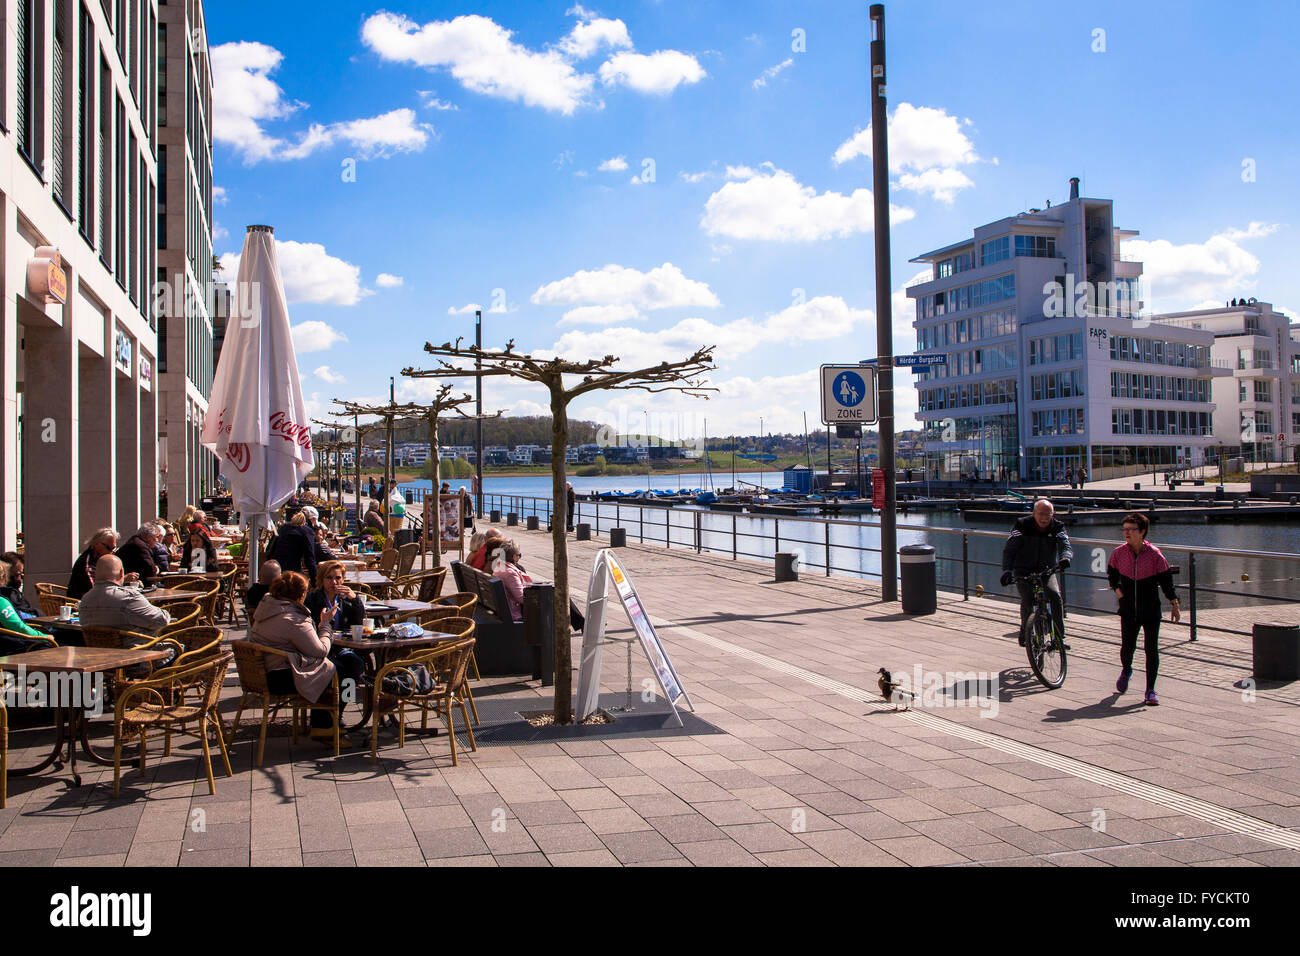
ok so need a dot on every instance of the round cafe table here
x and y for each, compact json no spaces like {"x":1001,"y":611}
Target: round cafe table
{"x":378,"y":650}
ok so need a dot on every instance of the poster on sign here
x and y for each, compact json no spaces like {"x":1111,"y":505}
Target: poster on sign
{"x":878,"y":488}
{"x":606,"y":569}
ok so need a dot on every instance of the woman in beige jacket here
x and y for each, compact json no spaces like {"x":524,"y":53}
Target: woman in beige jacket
{"x":282,"y":622}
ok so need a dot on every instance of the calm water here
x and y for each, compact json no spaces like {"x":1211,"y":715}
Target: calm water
{"x":854,"y":546}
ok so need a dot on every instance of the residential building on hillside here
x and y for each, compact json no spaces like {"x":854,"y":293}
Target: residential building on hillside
{"x":79,"y":350}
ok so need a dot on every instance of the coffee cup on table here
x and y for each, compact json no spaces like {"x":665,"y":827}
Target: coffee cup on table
{"x":65,"y":612}
{"x":358,"y":631}
{"x":368,"y":624}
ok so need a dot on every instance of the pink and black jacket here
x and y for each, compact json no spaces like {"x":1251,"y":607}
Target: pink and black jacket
{"x":1141,"y":577}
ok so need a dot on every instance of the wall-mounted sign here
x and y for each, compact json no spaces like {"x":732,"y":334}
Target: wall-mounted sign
{"x":45,"y":277}
{"x":146,"y":370}
{"x":122,"y":352}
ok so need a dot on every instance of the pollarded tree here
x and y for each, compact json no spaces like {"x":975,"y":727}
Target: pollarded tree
{"x":685,"y":376}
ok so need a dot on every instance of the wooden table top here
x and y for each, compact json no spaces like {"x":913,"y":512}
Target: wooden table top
{"x":79,"y":660}
{"x":53,"y":620}
{"x":366,"y":577}
{"x":395,"y":606}
{"x":383,"y":642}
{"x":212,"y":575}
{"x":168,"y":594}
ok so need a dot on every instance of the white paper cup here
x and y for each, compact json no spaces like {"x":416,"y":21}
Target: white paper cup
{"x":65,"y":612}
{"x":368,"y":622}
{"x":358,"y":631}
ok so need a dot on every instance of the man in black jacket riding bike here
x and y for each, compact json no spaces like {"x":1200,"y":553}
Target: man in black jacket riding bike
{"x":1037,"y":541}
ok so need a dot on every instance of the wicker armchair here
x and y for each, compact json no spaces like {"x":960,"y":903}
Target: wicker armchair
{"x":58,"y":589}
{"x":160,"y":703}
{"x":449,"y":666}
{"x":463,"y":601}
{"x":406,"y":556}
{"x":4,"y":751}
{"x":184,"y":614}
{"x":46,"y":639}
{"x":388,"y":561}
{"x":251,"y":661}
{"x":120,"y":638}
{"x":431,"y":582}
{"x":226,"y":594}
{"x":50,"y":603}
{"x":206,"y":593}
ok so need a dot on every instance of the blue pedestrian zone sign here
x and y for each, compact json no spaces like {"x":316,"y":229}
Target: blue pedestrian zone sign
{"x":848,"y":395}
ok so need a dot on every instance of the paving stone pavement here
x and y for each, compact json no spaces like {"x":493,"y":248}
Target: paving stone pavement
{"x":810,"y":766}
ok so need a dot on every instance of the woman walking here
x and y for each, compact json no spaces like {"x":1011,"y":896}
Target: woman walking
{"x":1138,"y":572}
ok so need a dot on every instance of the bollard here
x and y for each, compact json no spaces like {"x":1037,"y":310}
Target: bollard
{"x":1275,"y":651}
{"x":919,"y":584}
{"x":512,"y":519}
{"x":532,"y":522}
{"x":618,"y":537}
{"x":583,"y":532}
{"x":1137,"y":486}
{"x":787,"y":566}
{"x":494,"y":516}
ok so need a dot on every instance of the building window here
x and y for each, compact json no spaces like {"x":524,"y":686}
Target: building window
{"x":1037,"y":246}
{"x":30,"y":98}
{"x":995,"y":250}
{"x":1263,"y":391}
{"x":103,"y":159}
{"x":85,"y":127}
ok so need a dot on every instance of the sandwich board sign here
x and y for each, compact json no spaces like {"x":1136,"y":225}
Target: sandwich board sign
{"x":604,"y":570}
{"x":848,"y":395}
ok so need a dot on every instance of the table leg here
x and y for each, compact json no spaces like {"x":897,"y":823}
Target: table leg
{"x":56,"y":754}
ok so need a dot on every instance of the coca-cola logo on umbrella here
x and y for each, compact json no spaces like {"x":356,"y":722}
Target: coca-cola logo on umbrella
{"x":283,"y":426}
{"x":238,"y":455}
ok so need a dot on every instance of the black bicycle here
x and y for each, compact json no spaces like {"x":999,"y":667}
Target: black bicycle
{"x":1044,"y":644}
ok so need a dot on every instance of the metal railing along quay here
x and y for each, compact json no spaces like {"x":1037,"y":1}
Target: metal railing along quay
{"x":823,"y":543}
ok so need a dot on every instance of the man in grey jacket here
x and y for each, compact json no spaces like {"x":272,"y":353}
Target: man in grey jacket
{"x":1038,"y":541}
{"x":112,"y":604}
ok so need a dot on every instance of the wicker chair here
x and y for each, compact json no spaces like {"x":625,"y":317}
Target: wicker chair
{"x":160,"y":703}
{"x":45,"y":638}
{"x":184,"y":614}
{"x":431,"y":582}
{"x":226,"y":594}
{"x":406,"y":556}
{"x":206,"y":593}
{"x":250,"y":661}
{"x":388,"y":561}
{"x":58,"y":589}
{"x":50,"y":603}
{"x":463,"y":601}
{"x":120,"y":639}
{"x":449,"y":665}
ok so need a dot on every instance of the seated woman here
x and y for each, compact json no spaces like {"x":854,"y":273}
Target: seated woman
{"x":507,"y":569}
{"x":10,"y":621}
{"x":373,"y":518}
{"x":198,"y":540}
{"x":282,"y":622}
{"x":163,"y":549}
{"x":481,"y":558}
{"x":344,"y":606}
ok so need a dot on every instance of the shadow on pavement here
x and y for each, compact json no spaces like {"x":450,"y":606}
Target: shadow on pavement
{"x":1101,"y":709}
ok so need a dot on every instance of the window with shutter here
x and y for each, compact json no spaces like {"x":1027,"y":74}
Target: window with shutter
{"x":25,"y":74}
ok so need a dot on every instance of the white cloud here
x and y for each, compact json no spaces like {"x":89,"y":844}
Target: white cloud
{"x":662,"y":287}
{"x":660,"y":72}
{"x":386,"y":281}
{"x":589,"y":36}
{"x":327,"y":374}
{"x":920,"y":137}
{"x":615,"y":164}
{"x":771,"y":204}
{"x":377,"y":137}
{"x":925,"y":147}
{"x":430,"y":101}
{"x":482,"y":57}
{"x":1178,"y":277}
{"x":466,"y":309}
{"x":218,"y":195}
{"x":771,"y":72}
{"x":941,"y":184}
{"x":219,"y":232}
{"x":696,"y":177}
{"x":600,"y":315}
{"x":310,"y":274}
{"x":904,"y":310}
{"x":245,"y":99}
{"x":314,"y":336}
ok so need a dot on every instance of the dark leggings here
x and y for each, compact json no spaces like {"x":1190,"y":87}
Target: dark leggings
{"x":347,"y":664}
{"x":1128,"y":629}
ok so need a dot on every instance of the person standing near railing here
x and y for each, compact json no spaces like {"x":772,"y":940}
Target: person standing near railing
{"x":1137,"y":573}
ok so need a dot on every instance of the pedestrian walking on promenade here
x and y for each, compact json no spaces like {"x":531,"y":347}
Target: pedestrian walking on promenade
{"x":1138,"y":572}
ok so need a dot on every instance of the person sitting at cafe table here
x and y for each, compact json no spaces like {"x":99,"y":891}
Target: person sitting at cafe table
{"x":266,"y":576}
{"x":137,"y":552}
{"x":10,"y":621}
{"x":373,"y":518}
{"x":346,"y":607}
{"x":282,"y":622}
{"x":481,"y":557}
{"x":102,"y":542}
{"x":198,"y":540}
{"x":323,"y":553}
{"x":295,"y":547}
{"x":162,"y":557}
{"x":13,"y":590}
{"x":113,"y":603}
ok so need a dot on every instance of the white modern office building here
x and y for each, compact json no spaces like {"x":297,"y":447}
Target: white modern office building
{"x":187,"y":299}
{"x":1257,"y":405}
{"x":1050,"y":364}
{"x":78,"y":353}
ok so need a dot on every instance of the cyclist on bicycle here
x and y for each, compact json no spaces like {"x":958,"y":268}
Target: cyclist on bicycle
{"x":1037,"y":541}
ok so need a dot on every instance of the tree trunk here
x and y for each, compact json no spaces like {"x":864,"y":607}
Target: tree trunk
{"x":560,"y":553}
{"x":433,"y":527}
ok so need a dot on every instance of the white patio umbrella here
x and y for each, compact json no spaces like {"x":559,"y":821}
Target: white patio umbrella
{"x":256,"y":423}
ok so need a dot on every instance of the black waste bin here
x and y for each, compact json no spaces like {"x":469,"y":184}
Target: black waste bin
{"x":532,"y":522}
{"x":404,"y":536}
{"x":916,"y":562}
{"x":583,"y":532}
{"x":618,"y":537}
{"x":1275,"y":651}
{"x":787,"y":566}
{"x":512,"y":519}
{"x":494,"y":516}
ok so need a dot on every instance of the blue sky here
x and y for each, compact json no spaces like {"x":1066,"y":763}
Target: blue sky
{"x":644,"y":177}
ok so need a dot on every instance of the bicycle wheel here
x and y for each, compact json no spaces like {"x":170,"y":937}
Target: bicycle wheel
{"x":1046,"y":651}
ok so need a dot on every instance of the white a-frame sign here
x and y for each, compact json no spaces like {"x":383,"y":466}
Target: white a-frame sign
{"x":605,"y":569}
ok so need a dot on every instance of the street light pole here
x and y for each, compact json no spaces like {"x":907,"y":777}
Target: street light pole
{"x":884,"y":309}
{"x":647,"y":449}
{"x":478,"y":407}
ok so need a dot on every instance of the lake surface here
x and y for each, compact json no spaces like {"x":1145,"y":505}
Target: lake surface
{"x":855,"y":545}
